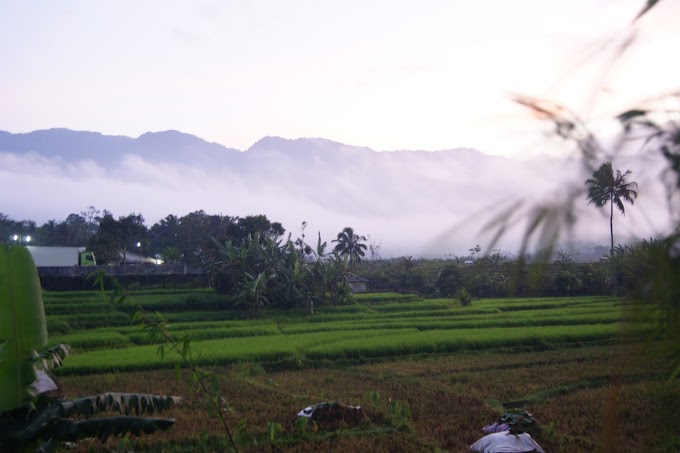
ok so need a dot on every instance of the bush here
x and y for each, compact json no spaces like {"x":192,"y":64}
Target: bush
{"x":566,"y":283}
{"x":413,"y":280}
{"x":449,"y":280}
{"x":464,"y":297}
{"x":480,"y":284}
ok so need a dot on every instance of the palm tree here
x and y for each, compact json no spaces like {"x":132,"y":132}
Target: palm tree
{"x":605,"y":188}
{"x":349,"y":244}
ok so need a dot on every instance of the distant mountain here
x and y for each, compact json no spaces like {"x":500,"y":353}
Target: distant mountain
{"x":108,"y":150}
{"x":414,"y":202}
{"x":313,"y":160}
{"x":175,"y":146}
{"x":65,"y":143}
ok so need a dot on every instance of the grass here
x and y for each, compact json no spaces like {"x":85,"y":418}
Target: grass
{"x":450,"y":398}
{"x":267,"y":348}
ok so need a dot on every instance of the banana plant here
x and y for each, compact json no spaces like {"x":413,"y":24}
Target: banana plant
{"x":23,"y":328}
{"x":253,"y":292}
{"x":29,"y":420}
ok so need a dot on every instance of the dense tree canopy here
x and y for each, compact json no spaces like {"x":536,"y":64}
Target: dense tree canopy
{"x":189,"y":239}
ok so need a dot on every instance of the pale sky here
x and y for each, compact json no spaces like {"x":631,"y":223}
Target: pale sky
{"x":398,"y":74}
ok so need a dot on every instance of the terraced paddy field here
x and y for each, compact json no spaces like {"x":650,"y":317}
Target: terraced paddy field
{"x":428,"y":374}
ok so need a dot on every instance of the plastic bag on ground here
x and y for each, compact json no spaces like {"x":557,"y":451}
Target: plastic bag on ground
{"x":506,"y":443}
{"x":44,"y":383}
{"x":496,"y":428}
{"x":309,"y":410}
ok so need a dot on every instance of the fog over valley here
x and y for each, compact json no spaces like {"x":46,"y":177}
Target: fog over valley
{"x":420,"y":203}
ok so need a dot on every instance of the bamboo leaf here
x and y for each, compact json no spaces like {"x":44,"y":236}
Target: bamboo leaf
{"x":649,"y":5}
{"x":630,"y":115}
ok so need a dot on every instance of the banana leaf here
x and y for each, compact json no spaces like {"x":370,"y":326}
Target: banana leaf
{"x":53,"y":357}
{"x":126,"y":403}
{"x":18,"y":433}
{"x":23,"y":427}
{"x":102,"y":428}
{"x":23,"y":328}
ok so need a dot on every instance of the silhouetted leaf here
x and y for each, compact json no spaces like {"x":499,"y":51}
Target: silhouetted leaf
{"x":630,"y":114}
{"x":103,"y":428}
{"x":127,"y":403}
{"x":648,"y":6}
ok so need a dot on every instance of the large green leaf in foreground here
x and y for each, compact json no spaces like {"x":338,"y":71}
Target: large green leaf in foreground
{"x":52,"y":422}
{"x":22,"y":326}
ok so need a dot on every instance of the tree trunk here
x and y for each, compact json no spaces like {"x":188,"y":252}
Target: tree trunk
{"x":611,"y":223}
{"x":615,"y":286}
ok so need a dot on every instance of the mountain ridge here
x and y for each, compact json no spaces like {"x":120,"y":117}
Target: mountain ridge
{"x":69,"y":143}
{"x":390,"y":195}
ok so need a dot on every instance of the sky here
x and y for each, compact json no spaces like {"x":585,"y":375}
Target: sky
{"x":389,"y":75}
{"x":426,"y":74}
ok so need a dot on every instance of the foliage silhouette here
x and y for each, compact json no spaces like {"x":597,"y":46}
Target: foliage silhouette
{"x":657,"y":127}
{"x":605,"y":187}
{"x":350,"y":244}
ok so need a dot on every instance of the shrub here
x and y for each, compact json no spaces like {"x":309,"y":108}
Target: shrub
{"x":566,"y":283}
{"x":449,"y":280}
{"x":464,"y":297}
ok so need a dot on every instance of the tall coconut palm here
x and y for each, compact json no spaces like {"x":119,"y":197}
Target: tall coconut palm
{"x":605,"y":187}
{"x":350,"y":244}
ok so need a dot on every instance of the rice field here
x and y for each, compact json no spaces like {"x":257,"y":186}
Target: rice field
{"x":377,"y":326}
{"x":456,"y":368}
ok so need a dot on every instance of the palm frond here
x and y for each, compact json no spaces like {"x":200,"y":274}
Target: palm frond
{"x":619,"y":205}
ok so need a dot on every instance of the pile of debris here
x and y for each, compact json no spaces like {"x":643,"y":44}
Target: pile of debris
{"x":335,"y":415}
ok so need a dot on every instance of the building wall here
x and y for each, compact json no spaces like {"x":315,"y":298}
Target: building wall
{"x":358,"y":287}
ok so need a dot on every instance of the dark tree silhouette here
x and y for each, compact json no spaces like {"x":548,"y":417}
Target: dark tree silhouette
{"x":350,"y":244}
{"x":605,"y":187}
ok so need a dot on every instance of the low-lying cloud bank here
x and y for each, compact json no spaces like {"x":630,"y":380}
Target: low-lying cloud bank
{"x":412,"y":203}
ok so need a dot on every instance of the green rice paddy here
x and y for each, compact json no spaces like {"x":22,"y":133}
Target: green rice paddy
{"x":377,"y":326}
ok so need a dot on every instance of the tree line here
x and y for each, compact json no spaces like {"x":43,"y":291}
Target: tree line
{"x":187,"y":239}
{"x":248,"y":258}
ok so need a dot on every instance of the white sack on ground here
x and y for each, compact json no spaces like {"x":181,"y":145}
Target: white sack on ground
{"x":506,"y":443}
{"x":44,"y":383}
